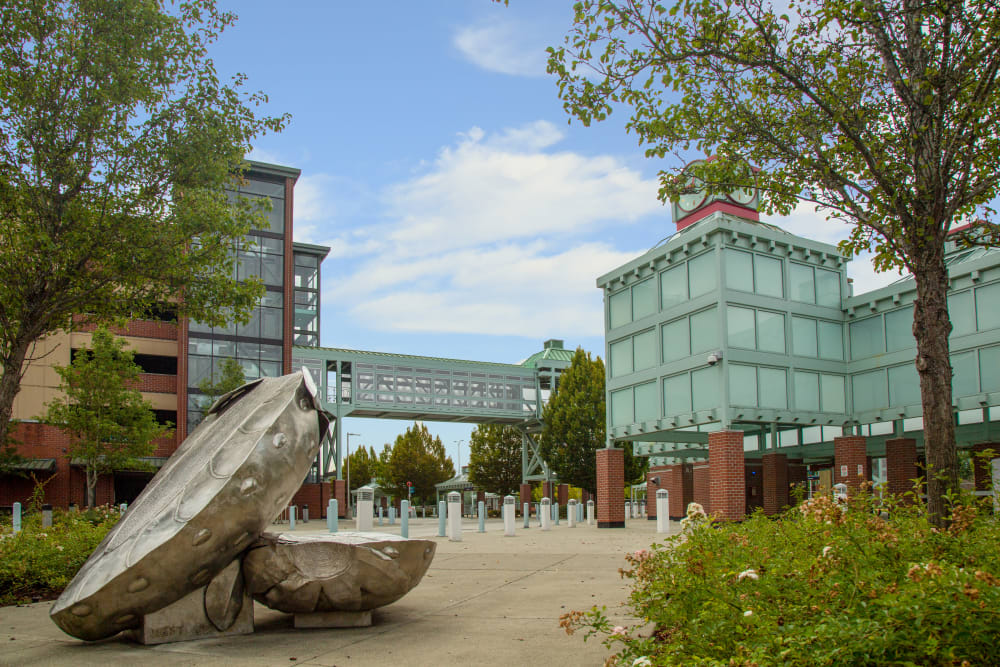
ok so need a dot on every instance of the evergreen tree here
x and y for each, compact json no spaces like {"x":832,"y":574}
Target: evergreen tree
{"x":109,"y":423}
{"x":418,"y":458}
{"x":495,"y":458}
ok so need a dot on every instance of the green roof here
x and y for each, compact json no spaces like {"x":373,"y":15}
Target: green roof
{"x":36,"y":465}
{"x":550,"y":353}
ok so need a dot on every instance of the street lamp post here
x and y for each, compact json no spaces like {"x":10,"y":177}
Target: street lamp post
{"x":459,"y":443}
{"x":348,"y":466}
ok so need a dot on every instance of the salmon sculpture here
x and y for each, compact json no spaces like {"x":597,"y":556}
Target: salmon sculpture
{"x":214,"y":498}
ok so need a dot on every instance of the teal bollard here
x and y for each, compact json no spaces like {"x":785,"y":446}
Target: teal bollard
{"x":392,"y":516}
{"x":381,"y":512}
{"x":555,"y":513}
{"x":16,"y":517}
{"x":526,"y":513}
{"x":482,"y":516}
{"x":404,"y":518}
{"x":332,"y":515}
{"x":291,"y":517}
{"x":442,"y":511}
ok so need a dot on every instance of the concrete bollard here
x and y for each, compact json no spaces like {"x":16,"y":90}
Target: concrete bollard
{"x":46,"y":516}
{"x":455,"y":516}
{"x":442,"y":508}
{"x":526,"y":513}
{"x":16,"y":517}
{"x":332,"y":515}
{"x":481,"y":509}
{"x":579,"y":513}
{"x":305,"y":514}
{"x":571,"y":513}
{"x":555,"y":513}
{"x":663,"y":511}
{"x":508,"y":516}
{"x":291,"y":517}
{"x":590,"y":512}
{"x":404,"y":518}
{"x":392,"y":515}
{"x":546,"y":514}
{"x":366,"y":503}
{"x":538,"y":513}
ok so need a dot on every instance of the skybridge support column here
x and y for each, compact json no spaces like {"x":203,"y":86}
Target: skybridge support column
{"x":610,"y":488}
{"x":525,"y":493}
{"x":901,"y":465}
{"x":850,"y":461}
{"x":775,"y":482}
{"x":727,"y":476}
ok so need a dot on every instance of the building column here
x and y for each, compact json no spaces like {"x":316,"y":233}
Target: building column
{"x":610,"y":488}
{"x":547,"y":490}
{"x":798,"y":475}
{"x":480,"y":497}
{"x":726,"y":475}
{"x":850,"y":460}
{"x":775,"y":482}
{"x":981,"y":469}
{"x":563,"y":494}
{"x":701,"y":486}
{"x":901,"y":465}
{"x":525,"y":493}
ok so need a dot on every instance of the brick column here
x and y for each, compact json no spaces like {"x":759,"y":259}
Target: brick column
{"x":563,"y":494}
{"x":340,"y":493}
{"x":480,"y":498}
{"x":525,"y":493}
{"x":901,"y":464}
{"x":850,"y":460}
{"x":547,"y":490}
{"x":775,"y":482}
{"x":700,"y":487}
{"x":610,"y":488}
{"x":798,"y":474}
{"x":981,"y":469}
{"x":726,"y":475}
{"x":652,"y":487}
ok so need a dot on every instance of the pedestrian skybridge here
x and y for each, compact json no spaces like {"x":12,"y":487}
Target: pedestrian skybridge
{"x":380,"y":385}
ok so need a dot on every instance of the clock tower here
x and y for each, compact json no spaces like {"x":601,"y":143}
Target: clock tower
{"x":696,"y":204}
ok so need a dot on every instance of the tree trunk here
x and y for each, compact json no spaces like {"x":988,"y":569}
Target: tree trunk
{"x":91,"y":487}
{"x":10,"y":384}
{"x":931,"y":327}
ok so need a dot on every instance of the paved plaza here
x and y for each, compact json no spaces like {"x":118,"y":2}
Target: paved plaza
{"x":487,"y":600}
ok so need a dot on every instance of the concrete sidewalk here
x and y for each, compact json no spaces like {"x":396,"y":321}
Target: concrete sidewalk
{"x":487,"y":600}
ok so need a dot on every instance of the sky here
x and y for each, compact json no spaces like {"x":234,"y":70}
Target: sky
{"x":466,"y":218}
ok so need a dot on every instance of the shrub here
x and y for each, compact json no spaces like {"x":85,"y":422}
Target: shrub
{"x":822,"y":585}
{"x":38,"y":563}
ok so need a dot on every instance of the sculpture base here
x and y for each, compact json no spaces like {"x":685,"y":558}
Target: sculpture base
{"x":186,"y":620}
{"x":334,"y":619}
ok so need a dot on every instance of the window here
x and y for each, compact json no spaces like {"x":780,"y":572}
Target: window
{"x":751,"y":272}
{"x":739,"y":270}
{"x":962,"y":313}
{"x":832,"y":393}
{"x":831,"y":340}
{"x":767,"y":276}
{"x":622,"y":407}
{"x":989,"y":362}
{"x":866,"y":337}
{"x":904,"y":385}
{"x":620,"y":308}
{"x":899,"y":330}
{"x":988,"y":307}
{"x":673,"y":286}
{"x":806,"y":391}
{"x":827,"y":288}
{"x":742,"y":385}
{"x":677,"y":394}
{"x":676,"y":340}
{"x":870,"y":391}
{"x":965,"y":378}
{"x":621,"y":358}
{"x":705,"y":388}
{"x":643,"y":299}
{"x":644,"y":350}
{"x":704,"y":330}
{"x":762,"y":330}
{"x":772,"y":388}
{"x":646,"y":402}
{"x":741,"y":327}
{"x":801,"y":285}
{"x":702,"y":274}
{"x":770,"y":332}
{"x":804,"y":342}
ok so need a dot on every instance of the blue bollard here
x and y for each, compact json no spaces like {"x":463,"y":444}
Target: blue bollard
{"x":16,"y":517}
{"x":555,"y":513}
{"x":404,"y":518}
{"x":526,"y":513}
{"x":123,"y":507}
{"x":579,"y":513}
{"x":381,"y":512}
{"x":442,"y":510}
{"x":538,"y":513}
{"x":482,"y":516}
{"x":392,"y":516}
{"x":291,"y":517}
{"x":332,"y":515}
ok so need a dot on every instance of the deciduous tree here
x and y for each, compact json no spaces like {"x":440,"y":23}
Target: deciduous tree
{"x":109,"y":423}
{"x":419,"y":458}
{"x":881,"y":112}
{"x":117,"y":139}
{"x":495,"y":458}
{"x":230,"y":377}
{"x":362,"y":467}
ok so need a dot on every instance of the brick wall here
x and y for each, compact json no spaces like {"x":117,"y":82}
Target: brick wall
{"x":525,"y":493}
{"x":775,"y":467}
{"x":314,"y":495}
{"x":727,"y":476}
{"x":548,"y":490}
{"x":901,"y":464}
{"x":677,"y":480}
{"x":798,"y":475}
{"x":610,"y":488}
{"x":156,"y":383}
{"x":701,"y":486}
{"x":137,"y":328}
{"x":563,"y":494}
{"x":850,"y":460}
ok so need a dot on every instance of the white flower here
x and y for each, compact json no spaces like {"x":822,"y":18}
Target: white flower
{"x":748,"y":574}
{"x":642,"y":662}
{"x":618,"y":631}
{"x":59,"y":547}
{"x":827,"y":550}
{"x":748,"y":613}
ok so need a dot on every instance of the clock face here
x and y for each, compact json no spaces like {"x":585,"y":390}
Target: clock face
{"x":744,"y":196}
{"x":694,"y":194}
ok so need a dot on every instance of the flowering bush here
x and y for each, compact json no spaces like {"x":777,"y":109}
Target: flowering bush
{"x":39,"y":562}
{"x":823,"y":585}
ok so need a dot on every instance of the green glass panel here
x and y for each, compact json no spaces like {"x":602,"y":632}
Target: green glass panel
{"x":832,"y":394}
{"x":827,"y":288}
{"x":742,"y":385}
{"x":621,"y":358}
{"x":804,"y":337}
{"x":773,"y":388}
{"x":767,"y":276}
{"x":866,"y":337}
{"x":869,"y":391}
{"x":705,"y":388}
{"x":989,"y":368}
{"x":704,"y":331}
{"x":904,"y":386}
{"x":988,"y":307}
{"x":673,"y":286}
{"x":643,"y":299}
{"x":831,"y":340}
{"x":806,"y":391}
{"x":962,"y":313}
{"x":800,"y":283}
{"x":646,"y":402}
{"x":770,"y":331}
{"x":677,"y":394}
{"x":899,"y":329}
{"x":740,"y":327}
{"x":739,"y":270}
{"x":965,"y":378}
{"x":620,"y":308}
{"x":702,"y":274}
{"x":644,"y":346}
{"x":622,"y":407}
{"x":676,"y":340}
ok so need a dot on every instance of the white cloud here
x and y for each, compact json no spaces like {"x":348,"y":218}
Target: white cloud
{"x":505,"y":46}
